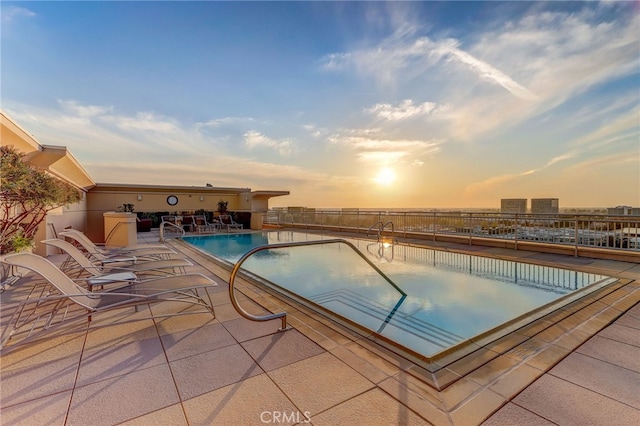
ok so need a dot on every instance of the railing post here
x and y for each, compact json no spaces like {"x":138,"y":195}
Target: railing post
{"x":404,"y":225}
{"x":515,"y":232}
{"x":575,"y":237}
{"x":470,"y":227}
{"x":434,"y":226}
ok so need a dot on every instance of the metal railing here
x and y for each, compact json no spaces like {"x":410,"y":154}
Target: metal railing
{"x":574,"y":230}
{"x":283,"y":315}
{"x":174,"y":229}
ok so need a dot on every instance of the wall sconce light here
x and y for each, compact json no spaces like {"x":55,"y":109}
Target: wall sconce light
{"x":139,"y":197}
{"x":201,"y":198}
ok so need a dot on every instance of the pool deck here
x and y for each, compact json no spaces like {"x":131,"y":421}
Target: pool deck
{"x":577,"y":365}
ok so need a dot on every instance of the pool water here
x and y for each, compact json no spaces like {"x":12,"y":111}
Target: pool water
{"x":450,"y":297}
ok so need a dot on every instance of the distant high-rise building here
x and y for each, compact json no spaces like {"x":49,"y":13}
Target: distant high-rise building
{"x":623,"y":211}
{"x":544,"y":205}
{"x":513,"y":205}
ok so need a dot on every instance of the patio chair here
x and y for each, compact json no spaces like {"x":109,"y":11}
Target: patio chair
{"x":202,"y":225}
{"x":151,"y":267}
{"x":188,"y":223}
{"x":62,"y":301}
{"x":103,"y":255}
{"x":228,"y":222}
{"x":104,"y":247}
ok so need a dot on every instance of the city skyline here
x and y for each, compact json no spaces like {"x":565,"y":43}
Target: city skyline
{"x":344,"y":104}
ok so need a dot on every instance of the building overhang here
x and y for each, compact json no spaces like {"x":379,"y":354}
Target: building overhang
{"x":265,"y":195}
{"x":56,"y":160}
{"x":127,"y":187}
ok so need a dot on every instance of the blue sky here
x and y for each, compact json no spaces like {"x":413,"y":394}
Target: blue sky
{"x":345,"y":104}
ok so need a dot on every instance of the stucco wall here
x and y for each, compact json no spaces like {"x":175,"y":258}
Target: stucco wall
{"x":109,"y":199}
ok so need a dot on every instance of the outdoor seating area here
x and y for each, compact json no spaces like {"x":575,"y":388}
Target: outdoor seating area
{"x":136,"y":355}
{"x":200,"y":225}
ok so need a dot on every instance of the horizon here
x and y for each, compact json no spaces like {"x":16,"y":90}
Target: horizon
{"x":463,"y":209}
{"x":340,"y":103}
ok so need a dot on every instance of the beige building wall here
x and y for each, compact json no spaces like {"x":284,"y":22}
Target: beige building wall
{"x":149,"y":198}
{"x":154,"y":198}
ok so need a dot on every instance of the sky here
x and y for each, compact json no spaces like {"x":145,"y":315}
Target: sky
{"x":344,"y":104}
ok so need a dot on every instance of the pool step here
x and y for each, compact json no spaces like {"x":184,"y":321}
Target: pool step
{"x":407,"y":323}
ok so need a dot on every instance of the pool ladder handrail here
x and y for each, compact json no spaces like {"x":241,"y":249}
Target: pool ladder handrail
{"x":180,"y":231}
{"x":283,"y":315}
{"x":381,"y":226}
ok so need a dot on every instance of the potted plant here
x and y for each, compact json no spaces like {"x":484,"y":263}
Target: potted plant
{"x":222,"y":207}
{"x":127,"y":208}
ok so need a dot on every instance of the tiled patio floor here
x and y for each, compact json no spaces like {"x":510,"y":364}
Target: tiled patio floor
{"x":196,"y":370}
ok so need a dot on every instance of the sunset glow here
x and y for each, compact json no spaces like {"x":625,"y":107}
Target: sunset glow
{"x":336,"y":102}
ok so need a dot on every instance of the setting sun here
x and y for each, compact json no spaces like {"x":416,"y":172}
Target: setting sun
{"x":385,"y":176}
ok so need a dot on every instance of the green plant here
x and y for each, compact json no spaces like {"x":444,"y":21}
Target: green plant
{"x":222,"y":206}
{"x":20,"y":243}
{"x":27,"y":194}
{"x":127,"y":208}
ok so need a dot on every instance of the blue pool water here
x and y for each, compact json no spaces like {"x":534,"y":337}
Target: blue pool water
{"x":450,"y":297}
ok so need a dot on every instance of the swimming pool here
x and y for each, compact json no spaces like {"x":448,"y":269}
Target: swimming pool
{"x":450,"y":297}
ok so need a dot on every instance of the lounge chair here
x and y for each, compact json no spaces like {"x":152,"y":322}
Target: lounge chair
{"x":228,"y":222}
{"x":80,"y":234}
{"x":152,"y":267}
{"x":202,"y":225}
{"x":103,"y":255}
{"x":63,"y":301}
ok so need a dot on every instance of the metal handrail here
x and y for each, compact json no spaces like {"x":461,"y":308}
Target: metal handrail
{"x":385,"y":226}
{"x":378,"y":224}
{"x":165,"y":223}
{"x":381,"y":227}
{"x":283,"y":315}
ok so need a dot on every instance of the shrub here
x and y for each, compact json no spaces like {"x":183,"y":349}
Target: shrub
{"x":26,"y":195}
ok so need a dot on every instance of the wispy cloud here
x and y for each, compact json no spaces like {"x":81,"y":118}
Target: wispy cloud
{"x":85,"y":128}
{"x":225,"y":121}
{"x":541,"y":60}
{"x":396,"y":54}
{"x":618,"y":159}
{"x":12,"y":13}
{"x":625,"y":125}
{"x":314,"y":130}
{"x":75,"y":108}
{"x":254,"y":139}
{"x":489,"y":72}
{"x":404,"y":110}
{"x":496,"y":181}
{"x":369,"y":146}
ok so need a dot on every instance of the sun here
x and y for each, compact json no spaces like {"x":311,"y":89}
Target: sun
{"x":385,"y":177}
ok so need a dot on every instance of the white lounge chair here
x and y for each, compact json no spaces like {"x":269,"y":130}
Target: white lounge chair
{"x":152,"y":267}
{"x":103,"y":255}
{"x":66,"y":302}
{"x":228,"y":222}
{"x":202,"y":225}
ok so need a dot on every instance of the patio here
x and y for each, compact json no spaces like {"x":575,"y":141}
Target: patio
{"x":580,"y":365}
